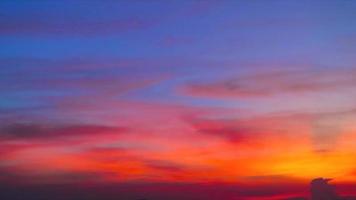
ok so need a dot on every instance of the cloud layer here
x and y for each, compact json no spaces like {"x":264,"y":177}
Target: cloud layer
{"x":186,"y":100}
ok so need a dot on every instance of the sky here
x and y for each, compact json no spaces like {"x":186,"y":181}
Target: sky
{"x":176,"y":100}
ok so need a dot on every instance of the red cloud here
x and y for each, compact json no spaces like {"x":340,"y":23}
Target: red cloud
{"x":254,"y":129}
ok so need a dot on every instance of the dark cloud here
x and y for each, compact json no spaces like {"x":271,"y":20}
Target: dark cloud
{"x":234,"y":133}
{"x":291,"y":190}
{"x":28,"y":131}
{"x":176,"y":41}
{"x":292,"y":22}
{"x":162,"y":165}
{"x":151,"y":191}
{"x":12,"y":176}
{"x":272,"y":83}
{"x":320,"y":189}
{"x":73,"y":27}
{"x":242,"y":130}
{"x":65,"y":83}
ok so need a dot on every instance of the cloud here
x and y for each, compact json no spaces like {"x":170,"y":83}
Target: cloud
{"x":109,"y":155}
{"x":19,"y":176}
{"x":38,"y":85}
{"x":328,"y":126}
{"x":246,"y":130}
{"x":74,"y":27}
{"x":172,"y":41}
{"x":9,"y":149}
{"x":161,"y":165}
{"x":44,"y":132}
{"x":114,"y":84}
{"x":272,"y":83}
{"x":219,"y":128}
{"x":322,"y":128}
{"x":107,"y":65}
{"x":320,"y":189}
{"x":156,"y":191}
{"x":285,"y":23}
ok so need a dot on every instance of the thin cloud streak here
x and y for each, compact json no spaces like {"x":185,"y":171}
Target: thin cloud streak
{"x":273,"y":83}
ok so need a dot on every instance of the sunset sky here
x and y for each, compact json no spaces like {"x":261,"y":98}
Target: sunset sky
{"x":237,"y":99}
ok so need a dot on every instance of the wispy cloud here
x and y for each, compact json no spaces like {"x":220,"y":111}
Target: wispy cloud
{"x":273,"y":83}
{"x":42,"y":26}
{"x":54,"y":132}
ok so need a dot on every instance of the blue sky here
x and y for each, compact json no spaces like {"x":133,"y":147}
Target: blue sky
{"x":160,"y":80}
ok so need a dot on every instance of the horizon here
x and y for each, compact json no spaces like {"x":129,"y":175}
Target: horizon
{"x":205,"y":99}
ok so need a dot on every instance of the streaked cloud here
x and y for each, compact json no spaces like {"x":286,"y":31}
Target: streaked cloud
{"x":272,"y":83}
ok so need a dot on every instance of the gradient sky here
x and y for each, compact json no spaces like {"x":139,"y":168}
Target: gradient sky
{"x":239,"y":98}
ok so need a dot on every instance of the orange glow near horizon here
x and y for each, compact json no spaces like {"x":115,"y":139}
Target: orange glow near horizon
{"x":178,"y":100}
